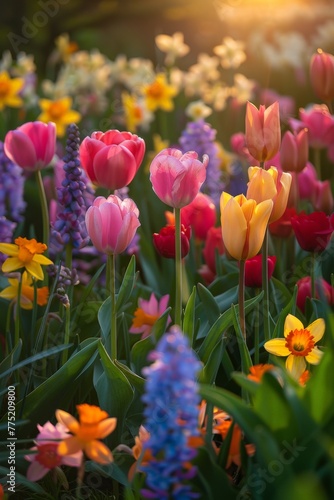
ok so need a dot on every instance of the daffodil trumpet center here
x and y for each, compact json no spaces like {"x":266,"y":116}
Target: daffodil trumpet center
{"x":47,"y":455}
{"x":142,"y":318}
{"x":300,"y":342}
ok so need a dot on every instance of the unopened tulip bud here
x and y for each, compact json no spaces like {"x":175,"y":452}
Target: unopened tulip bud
{"x":322,"y":198}
{"x":263,"y":131}
{"x":164,"y":241}
{"x":294,"y":151}
{"x":322,"y":75}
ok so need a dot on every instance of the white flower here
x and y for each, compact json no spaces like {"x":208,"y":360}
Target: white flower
{"x":173,"y":46}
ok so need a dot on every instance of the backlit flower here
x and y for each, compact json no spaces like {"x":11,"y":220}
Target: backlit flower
{"x":9,"y":91}
{"x":136,"y":114}
{"x":231,"y":52}
{"x":112,"y":223}
{"x":200,"y":214}
{"x":92,"y":426}
{"x":313,"y":231}
{"x":148,"y":312}
{"x":32,"y":145}
{"x":263,"y":131}
{"x":298,"y":344}
{"x":173,"y":46}
{"x":323,"y":291}
{"x":176,"y":177}
{"x":322,"y":75}
{"x":25,"y":253}
{"x":244,"y":223}
{"x":58,"y":111}
{"x":159,"y":94}
{"x":47,"y":457}
{"x":11,"y":292}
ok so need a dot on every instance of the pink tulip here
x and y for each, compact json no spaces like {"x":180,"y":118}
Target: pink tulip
{"x":112,"y":159}
{"x":307,"y":181}
{"x":322,"y":198}
{"x":320,"y":124}
{"x":322,"y":75}
{"x":294,"y":151}
{"x":263,"y":131}
{"x":176,"y":177}
{"x":112,"y":223}
{"x":32,"y":145}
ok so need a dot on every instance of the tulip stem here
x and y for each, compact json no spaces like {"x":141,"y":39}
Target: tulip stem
{"x":265,"y":286}
{"x":44,"y":207}
{"x":113,"y":318}
{"x":241,"y":298}
{"x":178,"y":267}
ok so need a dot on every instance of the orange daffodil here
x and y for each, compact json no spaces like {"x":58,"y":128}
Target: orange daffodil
{"x":159,"y":94}
{"x":244,"y":223}
{"x":25,"y":253}
{"x":92,"y":426}
{"x":59,"y":112}
{"x":298,"y":344}
{"x":27,"y":292}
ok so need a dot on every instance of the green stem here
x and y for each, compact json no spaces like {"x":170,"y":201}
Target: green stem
{"x":265,"y":286}
{"x":178,"y":268}
{"x":34,"y":315}
{"x":257,"y":332}
{"x":67,"y":333}
{"x":18,"y":313}
{"x":44,"y":207}
{"x":113,"y":318}
{"x":241,"y":298}
{"x":313,"y":262}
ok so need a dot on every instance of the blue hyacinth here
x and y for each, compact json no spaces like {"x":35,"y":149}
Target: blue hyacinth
{"x":70,"y":224}
{"x":199,"y":136}
{"x":172,"y":409}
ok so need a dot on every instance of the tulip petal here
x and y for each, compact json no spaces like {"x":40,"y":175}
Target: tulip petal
{"x":98,"y":452}
{"x":114,"y":167}
{"x":94,"y":226}
{"x":277,"y":347}
{"x":315,"y":356}
{"x":19,"y":148}
{"x":126,"y":233}
{"x":292,"y":323}
{"x":317,"y":329}
{"x":258,"y":226}
{"x":234,"y":229}
{"x":295,"y":365}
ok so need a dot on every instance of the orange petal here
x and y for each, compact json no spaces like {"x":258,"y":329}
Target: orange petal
{"x":98,"y":452}
{"x":68,"y":420}
{"x":69,"y":446}
{"x":106,"y":427}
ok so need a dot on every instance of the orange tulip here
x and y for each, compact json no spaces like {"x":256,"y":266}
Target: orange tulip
{"x":244,"y":223}
{"x":263,"y":131}
{"x":269,"y":185}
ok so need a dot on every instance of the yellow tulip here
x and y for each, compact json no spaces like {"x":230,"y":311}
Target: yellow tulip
{"x":269,"y":185}
{"x":244,"y":223}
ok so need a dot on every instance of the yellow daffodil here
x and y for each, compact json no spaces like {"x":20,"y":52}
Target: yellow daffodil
{"x":9,"y":90}
{"x":92,"y":426}
{"x":159,"y":94}
{"x":59,"y":112}
{"x":244,"y":223}
{"x":25,"y":253}
{"x":298,"y":344}
{"x":27,"y":292}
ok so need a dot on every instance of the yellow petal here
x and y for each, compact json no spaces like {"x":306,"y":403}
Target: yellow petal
{"x":106,"y":427}
{"x":35,"y":270}
{"x":12,"y":264}
{"x":258,"y":226}
{"x":317,"y":329}
{"x":67,"y":420}
{"x":41,"y":259}
{"x":261,"y":186}
{"x":292,"y":323}
{"x":225,"y":197}
{"x":315,"y":356}
{"x":234,"y":229}
{"x":295,"y":365}
{"x":9,"y":249}
{"x":98,"y":452}
{"x":9,"y":293}
{"x":277,"y":347}
{"x":69,"y":446}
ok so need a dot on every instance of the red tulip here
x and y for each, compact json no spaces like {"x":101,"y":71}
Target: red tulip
{"x":322,"y":75}
{"x":313,"y":231}
{"x":164,"y":241}
{"x":112,"y":159}
{"x":282,"y":227}
{"x":32,"y":145}
{"x":253,"y":270}
{"x":213,"y":242}
{"x":322,"y":289}
{"x":200,"y":214}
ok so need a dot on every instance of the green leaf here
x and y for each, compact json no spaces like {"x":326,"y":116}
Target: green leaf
{"x":128,"y":282}
{"x":209,"y":371}
{"x":135,"y":380}
{"x":212,"y":480}
{"x":104,"y":318}
{"x":114,"y":393}
{"x":189,"y":318}
{"x":57,"y":391}
{"x":139,"y":353}
{"x":160,"y":326}
{"x":246,"y":361}
{"x":211,"y":308}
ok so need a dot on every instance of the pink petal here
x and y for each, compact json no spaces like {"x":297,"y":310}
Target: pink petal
{"x":19,"y":148}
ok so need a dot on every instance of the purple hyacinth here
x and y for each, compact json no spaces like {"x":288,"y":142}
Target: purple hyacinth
{"x":199,"y":136}
{"x":70,"y":224}
{"x":172,"y":410}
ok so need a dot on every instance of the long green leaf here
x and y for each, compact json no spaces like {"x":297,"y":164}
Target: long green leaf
{"x":189,"y":318}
